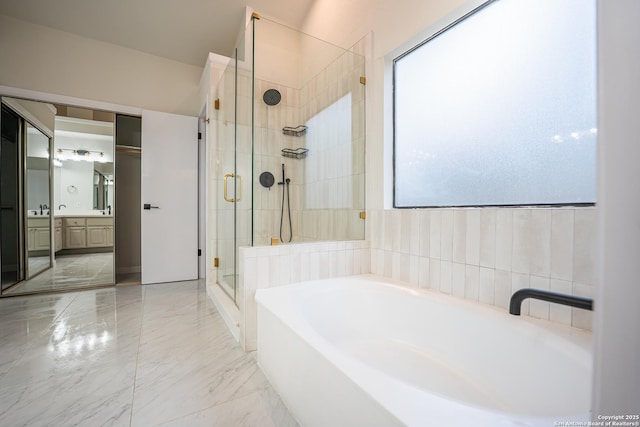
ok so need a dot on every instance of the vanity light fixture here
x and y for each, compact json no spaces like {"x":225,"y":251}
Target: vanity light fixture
{"x":80,"y":155}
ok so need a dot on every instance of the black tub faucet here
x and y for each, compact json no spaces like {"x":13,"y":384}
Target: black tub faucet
{"x":570,"y":300}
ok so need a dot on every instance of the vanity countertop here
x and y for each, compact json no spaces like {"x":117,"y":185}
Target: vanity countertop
{"x":79,"y":214}
{"x":72,"y":215}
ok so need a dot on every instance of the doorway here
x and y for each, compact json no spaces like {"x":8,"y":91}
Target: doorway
{"x":202,"y":194}
{"x":128,"y":199}
{"x":60,"y":209}
{"x":100,"y":242}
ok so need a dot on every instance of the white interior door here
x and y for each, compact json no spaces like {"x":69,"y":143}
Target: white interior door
{"x":170,"y":188}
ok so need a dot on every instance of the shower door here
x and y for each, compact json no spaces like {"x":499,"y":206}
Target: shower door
{"x":226,"y":180}
{"x":233,"y":164}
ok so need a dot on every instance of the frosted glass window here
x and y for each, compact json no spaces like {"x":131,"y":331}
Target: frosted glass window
{"x":499,"y":109}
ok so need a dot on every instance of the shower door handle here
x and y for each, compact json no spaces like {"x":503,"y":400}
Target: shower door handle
{"x":238,"y":188}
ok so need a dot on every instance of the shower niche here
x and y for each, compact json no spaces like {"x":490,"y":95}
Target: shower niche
{"x":293,"y":106}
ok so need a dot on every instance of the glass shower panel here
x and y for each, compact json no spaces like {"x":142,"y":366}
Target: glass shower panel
{"x":312,"y":139}
{"x":289,"y":165}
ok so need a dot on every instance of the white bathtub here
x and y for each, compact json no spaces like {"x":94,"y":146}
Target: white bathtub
{"x":362,"y":351}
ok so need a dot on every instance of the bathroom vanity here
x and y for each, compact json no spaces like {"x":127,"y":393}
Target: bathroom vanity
{"x":38,"y":234}
{"x":84,"y":232}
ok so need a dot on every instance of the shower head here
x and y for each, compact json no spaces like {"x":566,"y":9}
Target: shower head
{"x":272,"y":97}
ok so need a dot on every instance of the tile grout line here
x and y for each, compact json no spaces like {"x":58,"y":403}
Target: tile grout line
{"x":135,"y":374}
{"x":41,"y":334}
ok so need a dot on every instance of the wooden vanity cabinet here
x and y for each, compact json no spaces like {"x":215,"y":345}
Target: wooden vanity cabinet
{"x":58,"y":236}
{"x":75,"y":234}
{"x":87,"y":232}
{"x":99,"y":232}
{"x":38,"y":234}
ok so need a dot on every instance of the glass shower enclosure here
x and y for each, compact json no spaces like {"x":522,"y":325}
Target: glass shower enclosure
{"x":290,"y":157}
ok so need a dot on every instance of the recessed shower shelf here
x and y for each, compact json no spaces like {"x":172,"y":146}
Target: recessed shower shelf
{"x":295,"y":153}
{"x":296,"y":131}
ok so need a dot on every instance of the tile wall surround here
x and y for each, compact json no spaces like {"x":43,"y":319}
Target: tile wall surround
{"x":271,"y":266}
{"x":480,"y":254}
{"x":314,"y":214}
{"x":486,"y":254}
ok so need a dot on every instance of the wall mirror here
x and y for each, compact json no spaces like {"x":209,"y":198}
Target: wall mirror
{"x":61,"y":202}
{"x":38,"y":198}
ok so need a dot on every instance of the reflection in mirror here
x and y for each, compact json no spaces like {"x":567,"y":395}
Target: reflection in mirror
{"x":38,"y":200}
{"x":84,"y":161}
{"x":103,"y":187}
{"x":66,"y":201}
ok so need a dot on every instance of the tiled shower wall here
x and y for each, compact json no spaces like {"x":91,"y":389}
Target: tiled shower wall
{"x":313,"y":211}
{"x":269,"y":141}
{"x":486,"y":254}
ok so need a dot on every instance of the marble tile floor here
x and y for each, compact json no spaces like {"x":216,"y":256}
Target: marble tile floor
{"x":154,"y":355}
{"x":38,"y":263}
{"x":70,"y":272}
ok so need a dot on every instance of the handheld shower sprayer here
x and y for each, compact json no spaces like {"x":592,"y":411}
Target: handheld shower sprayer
{"x":285,"y":190}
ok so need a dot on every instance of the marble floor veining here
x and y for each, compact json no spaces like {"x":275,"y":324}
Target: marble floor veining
{"x":70,"y":272}
{"x":128,"y":356}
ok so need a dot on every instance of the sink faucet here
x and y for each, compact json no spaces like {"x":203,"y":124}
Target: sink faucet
{"x":109,"y":209}
{"x":61,"y":206}
{"x":40,"y":209}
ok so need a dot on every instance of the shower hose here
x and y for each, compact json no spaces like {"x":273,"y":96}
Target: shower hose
{"x":285,"y":192}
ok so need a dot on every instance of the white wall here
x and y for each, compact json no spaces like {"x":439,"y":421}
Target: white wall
{"x":47,"y":60}
{"x":78,"y":175}
{"x":617,"y":319}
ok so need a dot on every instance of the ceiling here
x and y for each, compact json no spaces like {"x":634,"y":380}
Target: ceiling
{"x":181,"y":30}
